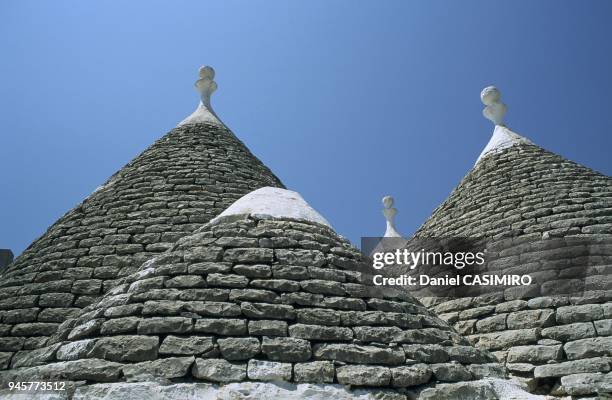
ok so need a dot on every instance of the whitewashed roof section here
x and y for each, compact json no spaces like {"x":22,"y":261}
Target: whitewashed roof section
{"x":276,"y":203}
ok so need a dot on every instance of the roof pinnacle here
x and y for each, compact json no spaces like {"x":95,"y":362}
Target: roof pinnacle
{"x":389,"y":212}
{"x":495,"y":109}
{"x":205,"y":86}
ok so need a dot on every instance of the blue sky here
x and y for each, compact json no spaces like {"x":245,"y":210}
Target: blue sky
{"x":346,"y":101}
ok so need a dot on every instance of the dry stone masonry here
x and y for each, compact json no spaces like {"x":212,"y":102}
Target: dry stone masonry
{"x":179,"y":183}
{"x":254,"y":298}
{"x":192,"y":273}
{"x":525,"y":201}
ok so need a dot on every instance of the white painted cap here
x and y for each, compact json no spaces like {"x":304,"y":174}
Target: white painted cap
{"x":502,"y":138}
{"x":276,"y":203}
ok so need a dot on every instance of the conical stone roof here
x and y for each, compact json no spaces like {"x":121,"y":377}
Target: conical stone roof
{"x":551,"y":218}
{"x":179,"y":183}
{"x":258,"y":296}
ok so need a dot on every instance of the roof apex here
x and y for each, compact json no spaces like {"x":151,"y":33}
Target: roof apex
{"x":502,"y":138}
{"x":205,"y":86}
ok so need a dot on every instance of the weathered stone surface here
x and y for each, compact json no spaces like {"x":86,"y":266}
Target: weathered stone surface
{"x":491,"y":324}
{"x":173,"y":367}
{"x":20,"y":315}
{"x":411,"y":375}
{"x":603,"y":327}
{"x":221,"y":326}
{"x":491,"y":370}
{"x":126,"y":348}
{"x":293,"y":272}
{"x":56,"y":300}
{"x":530,"y":319}
{"x":455,"y":391}
{"x":123,"y":311}
{"x":278,"y":285}
{"x":268,"y":328}
{"x":75,"y":350}
{"x":219,"y":370}
{"x":426,"y":336}
{"x":286,"y":349}
{"x":269,"y":370}
{"x":185,"y":281}
{"x":510,"y":306}
{"x":520,"y":367}
{"x":587,"y":348}
{"x":87,"y":329}
{"x":11,"y":343}
{"x":363,"y":375}
{"x":314,"y":372}
{"x":246,"y":390}
{"x":319,"y":286}
{"x":255,"y":295}
{"x":91,"y":370}
{"x":320,"y":332}
{"x":468,"y":355}
{"x":382,"y":334}
{"x":466,"y":327}
{"x":267,"y":311}
{"x":535,"y":354}
{"x":357,"y":354}
{"x":569,"y":332}
{"x":344,"y":303}
{"x":318,"y":316}
{"x":157,"y":325}
{"x":451,"y":372}
{"x":246,"y":255}
{"x":190,"y":345}
{"x":239,"y":348}
{"x":572,"y":367}
{"x":34,"y":329}
{"x":31,"y":358}
{"x":120,"y":325}
{"x":587,"y":383}
{"x":227,"y":280}
{"x":5,"y":360}
{"x":581,"y":313}
{"x":506,"y":339}
{"x":477,"y":312}
{"x":306,"y":258}
{"x":253,"y":271}
{"x":427,"y":353}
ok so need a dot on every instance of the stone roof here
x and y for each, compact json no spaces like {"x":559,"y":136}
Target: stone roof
{"x":251,"y":297}
{"x":193,"y":274}
{"x":179,"y":183}
{"x":526,"y":201}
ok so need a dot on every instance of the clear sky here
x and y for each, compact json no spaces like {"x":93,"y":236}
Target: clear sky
{"x":346,"y":101}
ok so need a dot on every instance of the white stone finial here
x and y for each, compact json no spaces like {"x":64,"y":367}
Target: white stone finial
{"x":205,"y":87}
{"x":389,"y":212}
{"x":206,"y":84}
{"x":495,"y":109}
